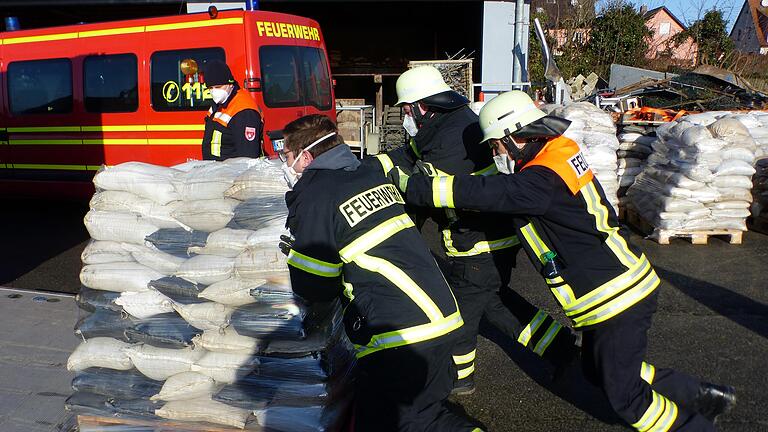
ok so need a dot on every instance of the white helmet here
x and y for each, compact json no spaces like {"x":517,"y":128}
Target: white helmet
{"x":508,"y":113}
{"x":419,"y":83}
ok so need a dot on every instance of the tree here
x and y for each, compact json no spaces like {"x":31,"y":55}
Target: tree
{"x":710,"y":36}
{"x":618,"y":35}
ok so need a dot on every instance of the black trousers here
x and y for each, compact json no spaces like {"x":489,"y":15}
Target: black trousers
{"x":613,"y":355}
{"x":481,"y":286}
{"x":404,"y":389}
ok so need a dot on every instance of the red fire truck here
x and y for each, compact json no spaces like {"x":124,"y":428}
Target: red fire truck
{"x":75,"y":97}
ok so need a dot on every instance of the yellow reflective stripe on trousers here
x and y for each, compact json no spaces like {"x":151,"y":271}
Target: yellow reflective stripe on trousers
{"x":375,"y":236}
{"x":442,"y":192}
{"x":614,"y":240}
{"x":466,"y":358}
{"x":216,"y":144}
{"x":530,"y":329}
{"x":563,"y":293}
{"x":386,"y":163}
{"x":480,"y":247}
{"x":621,"y":303}
{"x":547,"y":339}
{"x":467,"y":371}
{"x":313,"y":265}
{"x":659,"y":416}
{"x":410,"y":335}
{"x":647,"y":372}
{"x":628,"y":278}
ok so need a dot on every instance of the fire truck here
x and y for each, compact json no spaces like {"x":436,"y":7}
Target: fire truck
{"x":74,"y":98}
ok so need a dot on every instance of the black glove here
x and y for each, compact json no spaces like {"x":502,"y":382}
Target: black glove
{"x":424,"y":168}
{"x":399,"y":178}
{"x":286,"y":244}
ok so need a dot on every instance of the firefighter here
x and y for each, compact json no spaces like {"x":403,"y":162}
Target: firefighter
{"x":233,"y":125}
{"x":354,"y":241}
{"x":569,"y":231}
{"x":444,"y":135}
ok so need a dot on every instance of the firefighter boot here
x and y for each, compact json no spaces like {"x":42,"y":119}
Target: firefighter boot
{"x":714,"y":400}
{"x":464,"y":386}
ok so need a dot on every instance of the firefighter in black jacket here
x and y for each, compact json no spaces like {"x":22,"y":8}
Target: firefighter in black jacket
{"x":233,"y":125}
{"x":353,"y":240}
{"x":481,"y":249}
{"x":570,"y":232}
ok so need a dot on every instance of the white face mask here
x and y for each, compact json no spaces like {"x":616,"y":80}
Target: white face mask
{"x":409,"y":124}
{"x":504,"y":164}
{"x":289,"y":173}
{"x":219,"y":95}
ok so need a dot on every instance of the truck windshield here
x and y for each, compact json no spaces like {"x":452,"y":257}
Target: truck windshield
{"x":295,"y":76}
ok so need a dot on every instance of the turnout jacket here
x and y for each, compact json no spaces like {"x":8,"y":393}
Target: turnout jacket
{"x":354,"y":240}
{"x":449,"y":145}
{"x":233,"y":129}
{"x":557,"y":205}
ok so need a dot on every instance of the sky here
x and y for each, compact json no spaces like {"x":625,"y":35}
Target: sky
{"x":689,"y":11}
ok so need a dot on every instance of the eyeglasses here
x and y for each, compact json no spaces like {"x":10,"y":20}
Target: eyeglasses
{"x":283,"y":155}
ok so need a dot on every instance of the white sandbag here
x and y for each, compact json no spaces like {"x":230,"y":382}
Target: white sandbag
{"x":728,"y":127}
{"x":226,"y":340}
{"x":264,"y":180}
{"x":225,"y":368}
{"x":206,"y":215}
{"x":126,"y":202}
{"x":104,"y":252}
{"x":162,"y":363}
{"x":226,"y":242}
{"x":118,"y":277}
{"x":204,"y":410}
{"x":703,"y":118}
{"x":711,"y":145}
{"x":145,"y":304}
{"x":192,"y":164}
{"x":735,"y":194}
{"x":232,"y":292}
{"x":205,"y":316}
{"x":735,"y":167}
{"x":206,"y":269}
{"x":143,"y":179}
{"x":254,"y":262}
{"x":734,"y":181}
{"x":730,"y":213}
{"x":738,"y":153}
{"x":692,"y":136}
{"x":206,"y":182}
{"x":722,"y":205}
{"x":155,"y":259}
{"x":119,"y":227}
{"x":100,"y":352}
{"x":186,"y":386}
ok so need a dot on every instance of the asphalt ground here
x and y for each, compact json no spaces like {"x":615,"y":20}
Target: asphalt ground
{"x":712,"y":322}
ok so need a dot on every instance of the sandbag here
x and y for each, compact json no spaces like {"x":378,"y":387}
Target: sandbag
{"x":115,"y":384}
{"x":206,"y":215}
{"x":206,"y":269}
{"x":177,"y":241}
{"x":149,"y":181}
{"x":162,"y":363}
{"x":179,"y":290}
{"x":205,"y":316}
{"x":119,"y":227}
{"x":155,"y":259}
{"x":145,"y":304}
{"x":186,"y":386}
{"x":225,"y":368}
{"x":206,"y":410}
{"x":100,"y":352}
{"x":163,"y":331}
{"x":126,"y":202}
{"x":227,"y":341}
{"x":254,"y":262}
{"x":104,"y":252}
{"x":118,"y":277}
{"x":232,"y":292}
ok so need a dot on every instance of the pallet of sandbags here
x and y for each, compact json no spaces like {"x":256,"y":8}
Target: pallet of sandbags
{"x":663,"y":236}
{"x":188,"y":317}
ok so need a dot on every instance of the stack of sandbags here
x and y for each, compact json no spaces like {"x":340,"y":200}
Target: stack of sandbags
{"x":593,"y":129}
{"x":635,"y":145}
{"x":698,"y":176}
{"x":187,"y":308}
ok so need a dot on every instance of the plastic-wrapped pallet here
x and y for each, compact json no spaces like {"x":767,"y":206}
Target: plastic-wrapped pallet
{"x":187,"y":309}
{"x":699,"y":175}
{"x":593,"y":129}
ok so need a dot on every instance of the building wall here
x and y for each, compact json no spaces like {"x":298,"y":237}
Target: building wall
{"x":743,"y":34}
{"x":665,"y":28}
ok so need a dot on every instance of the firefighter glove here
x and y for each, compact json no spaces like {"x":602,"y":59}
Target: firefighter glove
{"x":286,"y":244}
{"x":399,"y":178}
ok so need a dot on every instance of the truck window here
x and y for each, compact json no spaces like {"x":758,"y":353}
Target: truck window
{"x":171,"y":89}
{"x":279,"y":73}
{"x":294,"y":76}
{"x":110,"y":83}
{"x":40,"y":86}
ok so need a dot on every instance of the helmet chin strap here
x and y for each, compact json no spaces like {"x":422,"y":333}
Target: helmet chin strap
{"x":418,"y":117}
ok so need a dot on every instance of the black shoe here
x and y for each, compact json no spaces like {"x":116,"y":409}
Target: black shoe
{"x":714,"y":400}
{"x":464,"y":387}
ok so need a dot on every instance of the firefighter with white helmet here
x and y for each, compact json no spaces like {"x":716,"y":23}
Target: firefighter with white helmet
{"x":606,"y":286}
{"x":444,"y":136}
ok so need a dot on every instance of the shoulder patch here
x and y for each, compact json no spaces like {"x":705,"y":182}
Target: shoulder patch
{"x":250,"y":133}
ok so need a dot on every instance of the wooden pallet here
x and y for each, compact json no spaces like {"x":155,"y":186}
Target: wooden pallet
{"x":662,"y":236}
{"x":98,"y":423}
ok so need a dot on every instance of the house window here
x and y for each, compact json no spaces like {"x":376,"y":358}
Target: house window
{"x":664,"y":28}
{"x":578,"y":37}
